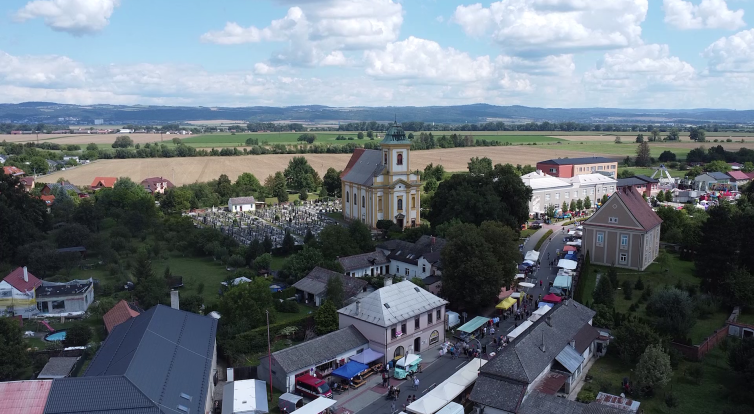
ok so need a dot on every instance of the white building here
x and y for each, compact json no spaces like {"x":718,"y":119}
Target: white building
{"x":409,"y":260}
{"x":241,"y":204}
{"x":18,"y":293}
{"x":366,"y":264}
{"x":73,"y":296}
{"x":549,"y":190}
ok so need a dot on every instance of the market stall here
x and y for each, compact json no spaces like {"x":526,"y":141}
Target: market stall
{"x":567,"y":264}
{"x":506,"y":303}
{"x":526,"y":285}
{"x":563,"y":282}
{"x":448,"y":390}
{"x":550,"y":298}
{"x":350,"y":370}
{"x":532,"y":255}
{"x":317,"y":406}
{"x":367,"y":356}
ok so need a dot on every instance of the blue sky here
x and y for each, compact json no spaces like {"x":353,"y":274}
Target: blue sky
{"x":548,"y":53}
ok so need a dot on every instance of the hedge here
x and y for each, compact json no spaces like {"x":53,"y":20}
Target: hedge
{"x":542,"y":240}
{"x":578,"y":292}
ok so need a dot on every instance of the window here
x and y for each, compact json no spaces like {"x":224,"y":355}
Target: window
{"x":584,"y":192}
{"x":399,"y":159}
{"x":600,"y":239}
{"x":406,"y":271}
{"x":623,"y":257}
{"x":400,"y":204}
{"x":612,"y":219}
{"x":403,"y":329}
{"x":547,"y":197}
{"x":58,"y":304}
{"x":438,"y":315}
{"x":354,"y":198}
{"x":348,"y":199}
{"x":392,"y":333}
{"x":429,"y":318}
{"x":413,"y":201}
{"x":416,"y":323}
{"x":600,"y":168}
{"x":379,"y":203}
{"x":552,"y":170}
{"x":566,"y":194}
{"x":424,"y":268}
{"x":397,"y":269}
{"x":363,"y":202}
{"x":557,"y":196}
{"x":385,"y":158}
{"x":623,"y":241}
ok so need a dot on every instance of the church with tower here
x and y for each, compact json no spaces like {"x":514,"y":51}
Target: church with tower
{"x":380,"y":184}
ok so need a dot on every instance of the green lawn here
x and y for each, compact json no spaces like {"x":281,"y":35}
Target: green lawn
{"x":746,"y":317}
{"x":278,"y":262}
{"x":528,"y":232}
{"x":710,"y":396}
{"x":195,"y":271}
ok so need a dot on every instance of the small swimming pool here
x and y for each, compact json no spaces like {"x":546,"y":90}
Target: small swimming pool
{"x":55,"y":336}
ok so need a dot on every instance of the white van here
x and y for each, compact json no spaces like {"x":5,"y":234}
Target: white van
{"x":453,"y":319}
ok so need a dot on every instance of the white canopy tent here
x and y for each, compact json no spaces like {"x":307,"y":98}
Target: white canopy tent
{"x":539,"y":313}
{"x":317,"y":406}
{"x":448,"y":390}
{"x":532,"y":255}
{"x":526,"y":285}
{"x":576,"y":242}
{"x":520,"y":276}
{"x":567,"y":264}
{"x":518,"y":331}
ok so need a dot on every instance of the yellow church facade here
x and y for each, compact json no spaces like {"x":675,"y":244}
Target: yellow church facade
{"x":380,"y":184}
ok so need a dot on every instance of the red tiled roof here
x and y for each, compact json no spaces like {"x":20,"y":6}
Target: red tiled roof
{"x":120,"y":313}
{"x":29,"y":181}
{"x":551,"y":383}
{"x":354,"y":159}
{"x":639,"y":208}
{"x":16,"y":279}
{"x":24,"y":397}
{"x":108,"y":182}
{"x":48,"y":199}
{"x":738,"y":175}
{"x":13,"y":171}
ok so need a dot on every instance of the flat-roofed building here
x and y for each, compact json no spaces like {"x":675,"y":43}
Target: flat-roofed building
{"x":569,"y":167}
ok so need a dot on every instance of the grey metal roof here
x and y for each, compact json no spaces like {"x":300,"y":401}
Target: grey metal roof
{"x":719,"y":176}
{"x":164,"y":353}
{"x":570,"y":359}
{"x":360,"y":261}
{"x":540,"y":403}
{"x":241,"y":200}
{"x":410,"y":253}
{"x":58,"y":367}
{"x":316,"y":282}
{"x":585,"y":337}
{"x":392,"y":304}
{"x":320,"y":349}
{"x":577,"y":161}
{"x":368,"y":166}
{"x":530,"y":353}
{"x":501,"y":394}
{"x":98,"y":395}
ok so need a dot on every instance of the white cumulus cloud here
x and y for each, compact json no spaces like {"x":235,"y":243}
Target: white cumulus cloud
{"x":732,"y":54}
{"x":76,"y":17}
{"x":547,"y":27}
{"x":709,"y":14}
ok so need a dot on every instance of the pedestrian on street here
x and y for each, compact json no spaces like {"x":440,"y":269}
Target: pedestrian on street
{"x":392,"y":407}
{"x":492,"y":331}
{"x":397,"y":393}
{"x":540,"y":283}
{"x":416,"y":383}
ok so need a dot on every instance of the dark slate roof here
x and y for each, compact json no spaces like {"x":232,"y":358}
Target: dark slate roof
{"x":100,"y":395}
{"x":576,"y":161}
{"x":430,"y":280}
{"x":411,"y":252}
{"x":360,"y":261}
{"x":395,"y":135}
{"x":241,"y":200}
{"x":320,"y":349}
{"x":66,"y":185}
{"x":636,"y":180}
{"x":162,"y":353}
{"x":585,"y":337}
{"x":523,"y":360}
{"x":58,"y":367}
{"x":72,"y":289}
{"x":541,"y":403}
{"x":719,"y":176}
{"x":364,"y":166}
{"x":500,"y":394}
{"x":316,"y":282}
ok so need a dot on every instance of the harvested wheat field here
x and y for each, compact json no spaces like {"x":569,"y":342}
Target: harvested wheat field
{"x":189,"y":170}
{"x":627,"y":137}
{"x":83,"y":139}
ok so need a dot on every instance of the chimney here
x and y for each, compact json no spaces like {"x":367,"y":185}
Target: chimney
{"x":358,"y":307}
{"x":388,"y":281}
{"x":548,"y":320}
{"x":26,"y":274}
{"x":174,"y":301}
{"x":573,"y":343}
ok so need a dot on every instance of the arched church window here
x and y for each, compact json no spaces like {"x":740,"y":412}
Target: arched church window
{"x":348,"y":199}
{"x":400,"y":204}
{"x":385,"y":158}
{"x":363,"y":202}
{"x":400,"y":159}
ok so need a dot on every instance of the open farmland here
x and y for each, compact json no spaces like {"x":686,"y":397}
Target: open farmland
{"x":84,"y":139}
{"x":630,"y":136}
{"x":189,"y":170}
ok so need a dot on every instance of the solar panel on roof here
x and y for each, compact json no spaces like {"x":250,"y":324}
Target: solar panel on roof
{"x":183,"y":408}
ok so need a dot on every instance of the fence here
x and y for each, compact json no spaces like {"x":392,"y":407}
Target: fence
{"x":697,"y":352}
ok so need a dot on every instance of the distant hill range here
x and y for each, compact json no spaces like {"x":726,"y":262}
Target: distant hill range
{"x":53,"y":113}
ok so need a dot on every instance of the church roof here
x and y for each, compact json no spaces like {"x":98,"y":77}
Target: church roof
{"x":363,"y":167}
{"x":395,"y":135}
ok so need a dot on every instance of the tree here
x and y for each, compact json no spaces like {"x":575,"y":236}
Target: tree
{"x":667,"y":156}
{"x":360,"y":135}
{"x":579,"y":204}
{"x":643,"y":157}
{"x":655,"y":135}
{"x":77,"y":335}
{"x":370,"y":135}
{"x":307,"y":137}
{"x":289,"y":243}
{"x":668,"y":195}
{"x":303,"y":195}
{"x":628,"y":289}
{"x":572,"y":205}
{"x":632,"y":338}
{"x":660,"y":196}
{"x":617,"y":139}
{"x":430,"y":185}
{"x":192,"y":303}
{"x":604,"y":199}
{"x":697,"y":134}
{"x":603,"y":293}
{"x":587,"y":203}
{"x":331,"y":182}
{"x":653,"y":369}
{"x":564,"y":206}
{"x":224,"y":188}
{"x":14,"y":360}
{"x":738,"y":288}
{"x":741,"y":358}
{"x":326,"y":318}
{"x":334,"y":291}
{"x":243,"y":306}
{"x":277,"y":187}
{"x":263,"y":262}
{"x":300,"y":175}
{"x":674,"y":135}
{"x":603,"y":317}
{"x":302,"y":262}
{"x":418,"y":282}
{"x":38,"y":165}
{"x":640,"y":138}
{"x":361,"y":236}
{"x":247,"y":184}
{"x":550,"y":210}
{"x":235,"y":261}
{"x":150,"y":290}
{"x":717,"y":166}
{"x":673,"y":312}
{"x":23,"y":217}
{"x":309,"y":237}
{"x":176,"y":200}
{"x":480,"y":166}
{"x":123,"y":141}
{"x":92,"y":147}
{"x":476,"y":262}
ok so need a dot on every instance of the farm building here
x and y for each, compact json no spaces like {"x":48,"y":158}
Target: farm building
{"x":241,"y":204}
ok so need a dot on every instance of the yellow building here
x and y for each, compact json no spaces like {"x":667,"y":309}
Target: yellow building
{"x":380,"y":184}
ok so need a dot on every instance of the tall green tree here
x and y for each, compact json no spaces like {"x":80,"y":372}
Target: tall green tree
{"x":334,"y":291}
{"x":572,"y":205}
{"x":564,"y":206}
{"x":653,"y":369}
{"x":77,"y":335}
{"x":480,"y":166}
{"x":150,"y":290}
{"x":655,"y":135}
{"x":14,"y":360}
{"x":331,"y":182}
{"x":587,"y":203}
{"x":632,"y":338}
{"x":224,"y":188}
{"x":643,"y":156}
{"x":276,"y":186}
{"x":176,"y":200}
{"x":326,"y":318}
{"x":672,"y":311}
{"x":244,"y":305}
{"x":603,"y":293}
{"x":579,"y":204}
{"x":289,"y":243}
{"x":247,"y":184}
{"x":23,"y":218}
{"x":741,"y":358}
{"x":302,"y":262}
{"x":300,"y":175}
{"x":674,"y":135}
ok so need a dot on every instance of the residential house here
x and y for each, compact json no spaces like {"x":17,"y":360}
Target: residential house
{"x":366,"y":264}
{"x":398,"y":319}
{"x":593,"y":185}
{"x":570,"y":167}
{"x":163,"y":361}
{"x":735,"y":166}
{"x":317,"y":357}
{"x":3,"y":158}
{"x":54,"y":165}
{"x":48,"y":199}
{"x":58,"y":367}
{"x":50,"y":188}
{"x":103,"y":182}
{"x":714,"y":181}
{"x":14,"y":171}
{"x":28,"y":183}
{"x":625,"y":232}
{"x":433,"y":284}
{"x":156,"y":184}
{"x":73,"y":296}
{"x":313,"y":287}
{"x":18,"y":293}
{"x":241,"y":204}
{"x":381,"y":184}
{"x":548,"y":357}
{"x":548,"y":190}
{"x":542,"y":403}
{"x":121,"y":312}
{"x":646,"y":186}
{"x":410,"y":260}
{"x":739,"y":178}
{"x":24,"y":397}
{"x":67,"y":158}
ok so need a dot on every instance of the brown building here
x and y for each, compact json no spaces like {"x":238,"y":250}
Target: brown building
{"x":571,"y":167}
{"x":624,"y":232}
{"x":156,"y":184}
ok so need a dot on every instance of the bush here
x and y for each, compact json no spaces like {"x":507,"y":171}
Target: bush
{"x":286,"y":306}
{"x":670,"y":399}
{"x":77,"y":335}
{"x":675,"y":357}
{"x":586,"y":396}
{"x":639,"y":285}
{"x":694,"y":373}
{"x":628,"y":290}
